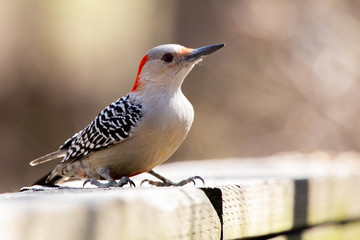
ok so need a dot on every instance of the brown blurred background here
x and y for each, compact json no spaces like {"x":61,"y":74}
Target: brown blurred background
{"x":288,"y":78}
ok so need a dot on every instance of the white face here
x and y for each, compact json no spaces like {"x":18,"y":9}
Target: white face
{"x":166,"y":66}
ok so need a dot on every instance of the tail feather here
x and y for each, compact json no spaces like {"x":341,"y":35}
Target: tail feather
{"x":45,"y":181}
{"x":49,"y":157}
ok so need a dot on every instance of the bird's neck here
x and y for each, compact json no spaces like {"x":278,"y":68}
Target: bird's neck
{"x":157,"y":95}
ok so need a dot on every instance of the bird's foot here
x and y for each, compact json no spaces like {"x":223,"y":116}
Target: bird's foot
{"x":123,"y":181}
{"x":167,"y":183}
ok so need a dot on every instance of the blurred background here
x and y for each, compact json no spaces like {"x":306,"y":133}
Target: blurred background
{"x":287,"y":80}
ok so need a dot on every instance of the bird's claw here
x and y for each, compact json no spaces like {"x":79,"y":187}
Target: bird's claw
{"x":123,"y":181}
{"x":168,"y":183}
{"x":191,"y":179}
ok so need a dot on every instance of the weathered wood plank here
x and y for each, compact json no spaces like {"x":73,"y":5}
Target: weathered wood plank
{"x":141,"y":213}
{"x":242,"y":198}
{"x":348,"y":231}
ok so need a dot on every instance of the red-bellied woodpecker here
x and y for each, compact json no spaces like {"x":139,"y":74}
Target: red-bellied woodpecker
{"x":138,"y":131}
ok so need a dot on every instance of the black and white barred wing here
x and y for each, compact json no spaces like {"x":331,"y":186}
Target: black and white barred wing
{"x":113,"y":125}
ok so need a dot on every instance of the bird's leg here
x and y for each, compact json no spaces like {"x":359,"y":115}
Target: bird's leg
{"x":164,"y":181}
{"x":105,"y":173}
{"x":167,"y":183}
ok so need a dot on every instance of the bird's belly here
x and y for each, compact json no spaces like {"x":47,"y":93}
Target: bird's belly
{"x":137,"y":154}
{"x":151,"y":143}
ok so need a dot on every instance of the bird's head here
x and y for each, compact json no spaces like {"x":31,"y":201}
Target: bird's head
{"x":166,"y":66}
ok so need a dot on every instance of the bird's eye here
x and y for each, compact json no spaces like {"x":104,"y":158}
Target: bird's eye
{"x":167,"y":58}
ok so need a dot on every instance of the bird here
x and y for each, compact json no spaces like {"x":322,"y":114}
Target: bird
{"x":137,"y":132}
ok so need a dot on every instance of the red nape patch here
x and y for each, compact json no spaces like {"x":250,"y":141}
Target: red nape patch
{"x":142,"y":63}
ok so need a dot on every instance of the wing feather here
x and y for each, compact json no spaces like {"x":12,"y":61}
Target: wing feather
{"x":113,"y":125}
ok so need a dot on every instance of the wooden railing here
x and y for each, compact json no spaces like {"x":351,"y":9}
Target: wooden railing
{"x":287,"y":196}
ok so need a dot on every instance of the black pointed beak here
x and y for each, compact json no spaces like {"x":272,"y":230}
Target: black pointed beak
{"x":203,"y":51}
